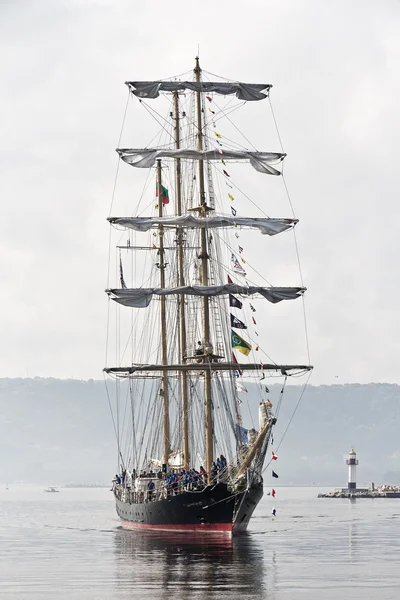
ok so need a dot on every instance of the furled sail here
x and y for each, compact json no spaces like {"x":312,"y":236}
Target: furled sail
{"x":265,"y":225}
{"x":243,"y":91}
{"x":213,"y":366}
{"x":141,"y":297}
{"x":146,"y":157}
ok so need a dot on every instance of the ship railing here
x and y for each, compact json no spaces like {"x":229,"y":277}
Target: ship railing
{"x":162,"y":491}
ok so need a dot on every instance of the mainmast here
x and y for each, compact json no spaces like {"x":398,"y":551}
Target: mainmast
{"x":181,"y":282}
{"x":204,"y":281}
{"x":164,"y":356}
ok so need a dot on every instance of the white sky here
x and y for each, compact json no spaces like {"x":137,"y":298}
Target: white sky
{"x":335,"y":71}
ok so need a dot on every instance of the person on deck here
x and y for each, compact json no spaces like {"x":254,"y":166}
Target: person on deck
{"x":150,"y":490}
{"x":214,"y":472}
{"x":203,"y":475}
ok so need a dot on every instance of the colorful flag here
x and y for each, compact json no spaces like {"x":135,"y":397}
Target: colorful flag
{"x":233,"y":301}
{"x":239,"y":343}
{"x":230,"y":197}
{"x":237,"y":323}
{"x":273,"y":493}
{"x":225,"y":173}
{"x":233,"y":211}
{"x":241,"y":434}
{"x":223,"y":162}
{"x":212,"y":111}
{"x":121,"y":274}
{"x":164,"y":194}
{"x":237,"y":266}
{"x":254,"y":321}
{"x":209,"y":98}
{"x":275,"y":475}
{"x":218,"y":135}
{"x":274,"y":456}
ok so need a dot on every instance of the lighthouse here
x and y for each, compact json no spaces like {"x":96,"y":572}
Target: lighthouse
{"x":352,"y":462}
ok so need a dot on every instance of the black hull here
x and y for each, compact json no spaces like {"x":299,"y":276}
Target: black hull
{"x":211,"y":510}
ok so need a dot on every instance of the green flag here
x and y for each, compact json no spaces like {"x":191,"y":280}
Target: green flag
{"x":164,"y":195}
{"x":239,"y":343}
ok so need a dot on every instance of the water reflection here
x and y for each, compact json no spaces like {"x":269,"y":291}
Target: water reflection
{"x":203,"y":566}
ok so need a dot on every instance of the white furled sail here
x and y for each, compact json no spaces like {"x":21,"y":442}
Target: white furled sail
{"x":243,"y":91}
{"x":141,"y":297}
{"x":145,"y":158}
{"x":265,"y":225}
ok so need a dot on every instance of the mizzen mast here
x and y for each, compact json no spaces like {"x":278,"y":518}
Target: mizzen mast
{"x":204,"y":281}
{"x":164,"y":393}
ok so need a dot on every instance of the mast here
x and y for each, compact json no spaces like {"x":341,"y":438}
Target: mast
{"x":164,"y":357}
{"x":204,"y":281}
{"x":181,"y":282}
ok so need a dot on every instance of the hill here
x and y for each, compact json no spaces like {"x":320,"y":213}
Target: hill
{"x":57,"y":431}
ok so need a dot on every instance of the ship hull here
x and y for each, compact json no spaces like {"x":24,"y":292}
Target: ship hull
{"x":213,"y":510}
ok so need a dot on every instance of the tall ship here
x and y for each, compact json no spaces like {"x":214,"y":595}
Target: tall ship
{"x":189,"y":307}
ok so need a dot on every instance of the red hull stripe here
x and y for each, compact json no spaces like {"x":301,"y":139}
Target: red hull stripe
{"x":199,"y":528}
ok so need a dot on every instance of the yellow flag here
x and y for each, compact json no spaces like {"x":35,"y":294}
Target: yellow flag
{"x":218,"y":135}
{"x":230,"y":197}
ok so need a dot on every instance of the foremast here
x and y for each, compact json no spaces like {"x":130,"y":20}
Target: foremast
{"x":203,"y":209}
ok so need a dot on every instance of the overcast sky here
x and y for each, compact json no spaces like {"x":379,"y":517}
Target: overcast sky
{"x":335,"y":71}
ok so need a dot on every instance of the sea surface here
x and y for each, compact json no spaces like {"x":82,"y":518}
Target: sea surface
{"x":70,"y":545}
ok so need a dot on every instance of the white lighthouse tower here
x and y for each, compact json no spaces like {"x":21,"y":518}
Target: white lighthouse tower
{"x":352,"y":462}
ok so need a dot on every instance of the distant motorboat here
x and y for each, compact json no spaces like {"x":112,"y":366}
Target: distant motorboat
{"x":51,"y":489}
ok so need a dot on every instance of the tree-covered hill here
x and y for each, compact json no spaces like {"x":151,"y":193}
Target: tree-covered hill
{"x":56,"y":431}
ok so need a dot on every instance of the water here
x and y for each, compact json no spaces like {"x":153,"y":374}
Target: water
{"x":70,"y":545}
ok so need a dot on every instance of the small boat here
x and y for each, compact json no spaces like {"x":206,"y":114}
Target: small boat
{"x":51,"y":489}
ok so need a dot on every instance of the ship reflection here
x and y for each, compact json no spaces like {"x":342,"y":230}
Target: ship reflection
{"x":154,"y":565}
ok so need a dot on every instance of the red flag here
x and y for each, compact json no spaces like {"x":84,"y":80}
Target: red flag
{"x":225,"y":173}
{"x":254,"y":321}
{"x":274,"y":456}
{"x":273,"y":493}
{"x":229,"y":280}
{"x":209,"y":98}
